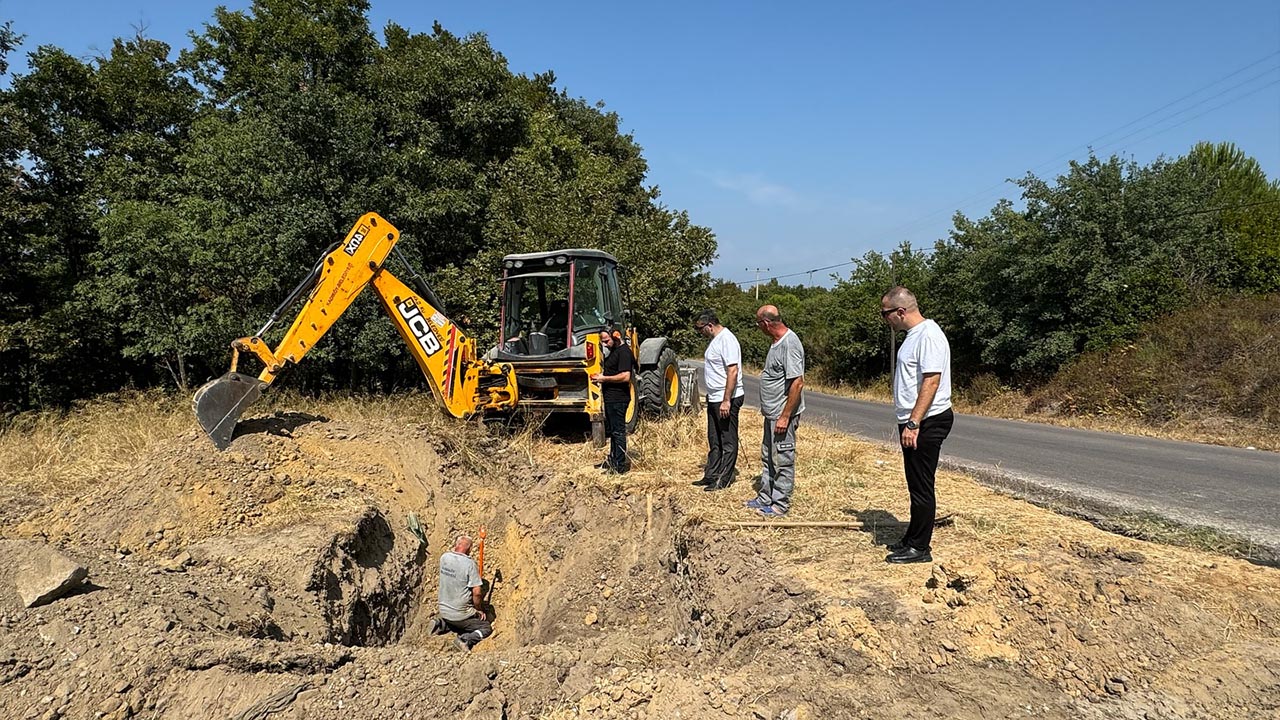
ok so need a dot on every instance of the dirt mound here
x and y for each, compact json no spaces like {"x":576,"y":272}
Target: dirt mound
{"x":281,"y":579}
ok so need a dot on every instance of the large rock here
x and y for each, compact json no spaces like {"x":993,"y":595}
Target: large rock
{"x":47,"y":575}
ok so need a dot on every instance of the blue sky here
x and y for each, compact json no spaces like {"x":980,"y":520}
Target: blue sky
{"x":808,"y":133}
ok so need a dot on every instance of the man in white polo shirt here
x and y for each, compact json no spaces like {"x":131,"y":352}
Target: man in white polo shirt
{"x":722,"y":374}
{"x":922,"y":401}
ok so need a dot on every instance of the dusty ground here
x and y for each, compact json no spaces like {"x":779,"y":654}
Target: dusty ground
{"x":279,"y":579}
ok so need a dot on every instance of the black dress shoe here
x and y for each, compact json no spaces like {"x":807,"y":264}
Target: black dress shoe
{"x":713,"y":487}
{"x":909,"y":555}
{"x":703,"y":482}
{"x":895,"y":547}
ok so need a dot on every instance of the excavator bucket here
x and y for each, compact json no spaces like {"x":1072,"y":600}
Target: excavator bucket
{"x":219,"y":403}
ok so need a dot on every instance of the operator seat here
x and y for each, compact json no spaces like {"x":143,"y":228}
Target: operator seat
{"x":557,"y":320}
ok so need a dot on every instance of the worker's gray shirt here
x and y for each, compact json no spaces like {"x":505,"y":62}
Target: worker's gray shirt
{"x":783,"y":364}
{"x":458,"y":574}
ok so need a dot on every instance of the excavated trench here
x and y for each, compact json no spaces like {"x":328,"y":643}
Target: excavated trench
{"x":367,"y":582}
{"x":564,"y":566}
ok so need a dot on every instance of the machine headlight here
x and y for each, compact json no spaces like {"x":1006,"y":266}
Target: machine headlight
{"x":560,"y":260}
{"x":519,"y":263}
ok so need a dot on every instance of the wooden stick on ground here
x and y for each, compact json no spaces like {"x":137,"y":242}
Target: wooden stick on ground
{"x":940,"y":521}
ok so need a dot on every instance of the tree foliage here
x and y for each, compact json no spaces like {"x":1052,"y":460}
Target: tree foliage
{"x":161,"y":206}
{"x":158,"y":206}
{"x":1088,"y":262}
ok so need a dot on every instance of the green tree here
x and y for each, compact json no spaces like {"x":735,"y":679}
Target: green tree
{"x":162,"y":207}
{"x":140,"y":282}
{"x":1247,"y":206}
{"x":1109,"y":247}
{"x":862,"y":349}
{"x":15,"y":297}
{"x":58,"y":347}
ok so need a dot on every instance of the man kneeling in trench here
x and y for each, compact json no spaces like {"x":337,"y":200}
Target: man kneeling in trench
{"x":461,"y":597}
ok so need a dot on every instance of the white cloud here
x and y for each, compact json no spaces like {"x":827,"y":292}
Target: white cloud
{"x":760,"y":191}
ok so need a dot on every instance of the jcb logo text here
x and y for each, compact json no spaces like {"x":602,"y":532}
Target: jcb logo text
{"x":418,"y":324}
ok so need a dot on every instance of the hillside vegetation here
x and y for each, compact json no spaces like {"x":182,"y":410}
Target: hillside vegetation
{"x":1207,"y":364}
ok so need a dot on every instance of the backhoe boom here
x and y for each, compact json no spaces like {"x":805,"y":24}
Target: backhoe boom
{"x":462,"y":382}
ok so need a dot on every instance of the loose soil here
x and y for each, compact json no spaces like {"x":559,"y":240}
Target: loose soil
{"x":281,"y":579}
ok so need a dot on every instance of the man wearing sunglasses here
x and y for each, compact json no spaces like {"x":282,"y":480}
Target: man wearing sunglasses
{"x":922,"y":401}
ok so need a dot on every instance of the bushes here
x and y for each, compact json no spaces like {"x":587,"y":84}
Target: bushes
{"x":1217,"y":359}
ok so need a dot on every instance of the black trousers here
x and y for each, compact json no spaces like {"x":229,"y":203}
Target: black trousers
{"x":472,"y":630}
{"x":615,"y":425}
{"x":921,"y":465}
{"x":722,"y":443}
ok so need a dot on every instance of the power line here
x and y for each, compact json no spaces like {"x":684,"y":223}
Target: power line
{"x":1189,"y":108}
{"x":987,"y":192}
{"x":1223,"y":208}
{"x":1238,"y":98}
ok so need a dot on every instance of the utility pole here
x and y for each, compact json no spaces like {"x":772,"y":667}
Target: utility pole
{"x":758,"y":271}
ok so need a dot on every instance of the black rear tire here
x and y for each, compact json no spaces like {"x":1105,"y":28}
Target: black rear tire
{"x":661,"y":384}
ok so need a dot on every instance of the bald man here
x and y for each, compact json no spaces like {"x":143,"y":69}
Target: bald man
{"x":781,"y":403}
{"x":461,"y":596}
{"x":922,"y":401}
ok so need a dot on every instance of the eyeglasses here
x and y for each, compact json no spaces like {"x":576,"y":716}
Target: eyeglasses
{"x":890,"y":311}
{"x":698,"y":327}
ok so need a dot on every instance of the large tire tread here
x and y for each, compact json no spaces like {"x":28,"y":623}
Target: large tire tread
{"x":653,"y":384}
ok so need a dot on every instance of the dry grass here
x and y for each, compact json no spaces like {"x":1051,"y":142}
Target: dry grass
{"x":62,"y":452}
{"x":41,"y":452}
{"x":839,"y":477}
{"x":844,"y":479}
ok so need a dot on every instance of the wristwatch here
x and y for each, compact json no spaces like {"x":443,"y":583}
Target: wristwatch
{"x":912,"y":425}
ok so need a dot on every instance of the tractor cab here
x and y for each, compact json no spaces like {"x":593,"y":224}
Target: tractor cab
{"x":552,"y":304}
{"x":552,"y":301}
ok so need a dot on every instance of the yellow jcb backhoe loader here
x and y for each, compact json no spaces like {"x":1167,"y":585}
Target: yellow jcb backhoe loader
{"x":462,"y":383}
{"x":554,"y":305}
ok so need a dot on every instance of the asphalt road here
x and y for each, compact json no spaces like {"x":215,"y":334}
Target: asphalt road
{"x":1227,"y":488}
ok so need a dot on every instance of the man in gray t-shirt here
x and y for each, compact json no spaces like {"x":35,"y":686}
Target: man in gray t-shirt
{"x":781,"y":403}
{"x":461,"y":597}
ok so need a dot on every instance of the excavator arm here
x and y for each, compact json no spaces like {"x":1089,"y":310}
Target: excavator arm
{"x":462,"y":382}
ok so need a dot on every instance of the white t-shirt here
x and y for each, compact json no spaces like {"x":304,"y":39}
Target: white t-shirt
{"x":722,"y":351}
{"x":925,"y":350}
